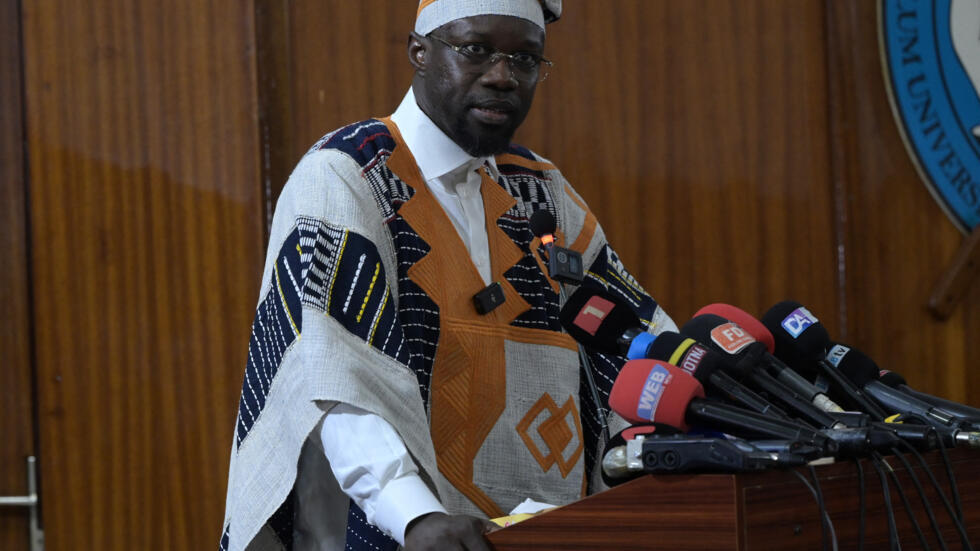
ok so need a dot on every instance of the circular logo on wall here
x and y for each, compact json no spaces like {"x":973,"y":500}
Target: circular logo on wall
{"x":931,"y":56}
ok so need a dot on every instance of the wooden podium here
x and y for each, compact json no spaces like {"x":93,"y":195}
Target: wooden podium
{"x":768,"y":511}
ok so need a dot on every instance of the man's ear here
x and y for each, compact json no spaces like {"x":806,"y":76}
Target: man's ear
{"x":416,"y":51}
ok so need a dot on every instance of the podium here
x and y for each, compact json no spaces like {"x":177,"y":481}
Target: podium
{"x":768,"y":510}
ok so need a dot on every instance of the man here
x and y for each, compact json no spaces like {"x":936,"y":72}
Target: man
{"x":380,"y":406}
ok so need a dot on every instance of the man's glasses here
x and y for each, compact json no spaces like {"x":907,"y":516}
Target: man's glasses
{"x":524,"y":65}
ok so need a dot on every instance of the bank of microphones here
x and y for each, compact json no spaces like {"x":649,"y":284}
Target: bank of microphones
{"x":733,"y":393}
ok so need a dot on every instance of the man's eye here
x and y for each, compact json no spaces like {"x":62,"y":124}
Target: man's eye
{"x":475,"y":50}
{"x":527,"y":60}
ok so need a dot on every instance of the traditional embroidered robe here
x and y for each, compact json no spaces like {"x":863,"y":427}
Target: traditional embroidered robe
{"x":366,"y":299}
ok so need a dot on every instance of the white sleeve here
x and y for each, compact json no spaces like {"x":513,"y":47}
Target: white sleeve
{"x":373,"y":467}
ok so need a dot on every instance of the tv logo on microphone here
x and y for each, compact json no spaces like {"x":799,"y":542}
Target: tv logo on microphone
{"x":837,"y":354}
{"x":731,"y":338}
{"x":590,"y":317}
{"x":693,"y":358}
{"x":798,"y":321}
{"x":653,"y":390}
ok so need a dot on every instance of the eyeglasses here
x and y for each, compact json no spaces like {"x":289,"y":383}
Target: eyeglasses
{"x":523,"y":64}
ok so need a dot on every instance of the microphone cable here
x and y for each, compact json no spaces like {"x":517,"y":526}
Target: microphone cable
{"x":905,"y":502}
{"x":587,"y":367}
{"x":826,"y":525}
{"x":922,"y":495}
{"x":942,"y":496}
{"x":893,"y":542}
{"x":861,"y":505}
{"x":540,"y":223}
{"x":953,"y":487}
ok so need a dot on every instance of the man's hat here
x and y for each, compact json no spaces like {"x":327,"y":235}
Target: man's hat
{"x":433,"y":14}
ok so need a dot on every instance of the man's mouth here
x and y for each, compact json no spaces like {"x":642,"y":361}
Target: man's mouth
{"x":495,"y":113}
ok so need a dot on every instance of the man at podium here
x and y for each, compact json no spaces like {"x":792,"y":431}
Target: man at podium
{"x":407,"y":375}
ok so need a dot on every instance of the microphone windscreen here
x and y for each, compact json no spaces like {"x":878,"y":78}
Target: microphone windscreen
{"x":891,"y":378}
{"x":857,"y":367}
{"x":719,"y":333}
{"x":801,"y":340}
{"x":542,"y":223}
{"x":651,"y":390}
{"x":597,"y":319}
{"x":744,"y":320}
{"x":685,"y":353}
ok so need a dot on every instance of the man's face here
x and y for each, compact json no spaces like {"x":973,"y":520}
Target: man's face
{"x":478,"y":107}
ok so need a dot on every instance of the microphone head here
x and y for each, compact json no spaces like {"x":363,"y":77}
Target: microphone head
{"x":685,"y":353}
{"x":543,"y":223}
{"x":651,"y":390}
{"x":744,"y":320}
{"x":854,"y":364}
{"x":724,"y":336}
{"x":801,"y":340}
{"x":597,"y":319}
{"x":891,"y":378}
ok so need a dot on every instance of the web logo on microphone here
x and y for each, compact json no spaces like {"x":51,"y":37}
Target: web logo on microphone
{"x":797,"y":322}
{"x":653,"y":390}
{"x":590,"y":317}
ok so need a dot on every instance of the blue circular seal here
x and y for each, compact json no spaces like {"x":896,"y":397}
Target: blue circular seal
{"x":931,"y":57}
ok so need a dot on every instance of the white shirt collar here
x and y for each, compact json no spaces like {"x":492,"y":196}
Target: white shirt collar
{"x":435,"y":153}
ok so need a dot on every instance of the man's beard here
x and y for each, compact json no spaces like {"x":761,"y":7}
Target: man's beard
{"x":483,"y":144}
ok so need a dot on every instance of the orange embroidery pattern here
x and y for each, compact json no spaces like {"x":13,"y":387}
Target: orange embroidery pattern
{"x":555,"y":432}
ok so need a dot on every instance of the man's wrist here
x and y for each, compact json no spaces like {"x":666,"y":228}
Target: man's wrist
{"x":402,"y":501}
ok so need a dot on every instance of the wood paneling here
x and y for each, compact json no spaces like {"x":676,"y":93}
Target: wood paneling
{"x":348,"y":62}
{"x":16,"y":423}
{"x":897,"y":240}
{"x":696,"y":131}
{"x":146,"y":215}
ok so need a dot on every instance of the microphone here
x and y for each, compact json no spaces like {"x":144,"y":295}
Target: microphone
{"x":564,"y":265}
{"x":802,"y":341}
{"x":651,"y":390}
{"x":602,"y":322}
{"x":617,"y":468}
{"x":746,"y":358}
{"x":744,"y":320}
{"x":685,"y":453}
{"x":781,"y":371}
{"x":898,"y":382}
{"x":862,"y":370}
{"x":706,"y":366}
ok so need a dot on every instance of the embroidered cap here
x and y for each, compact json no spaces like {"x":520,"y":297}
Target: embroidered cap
{"x":436,"y":13}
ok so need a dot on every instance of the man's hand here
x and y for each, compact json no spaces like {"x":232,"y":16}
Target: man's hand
{"x":451,"y":532}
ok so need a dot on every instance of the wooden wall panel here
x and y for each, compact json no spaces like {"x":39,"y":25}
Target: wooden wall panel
{"x":348,"y":62}
{"x":146,"y":216}
{"x":697,"y":133}
{"x":897,"y":240}
{"x":16,"y":423}
{"x":696,"y":130}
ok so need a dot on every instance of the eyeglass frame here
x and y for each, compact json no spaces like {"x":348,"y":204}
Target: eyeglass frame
{"x":496,"y":55}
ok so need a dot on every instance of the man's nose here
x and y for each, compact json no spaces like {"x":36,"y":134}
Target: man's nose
{"x":500,"y":74}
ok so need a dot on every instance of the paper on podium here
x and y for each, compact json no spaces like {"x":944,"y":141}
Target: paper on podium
{"x":527,"y":509}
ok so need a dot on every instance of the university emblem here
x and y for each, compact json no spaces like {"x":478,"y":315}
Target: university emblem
{"x":931,"y":56}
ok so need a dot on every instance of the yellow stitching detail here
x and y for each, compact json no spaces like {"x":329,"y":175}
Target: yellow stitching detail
{"x":377,"y":268}
{"x":285,"y":305}
{"x":384,"y":302}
